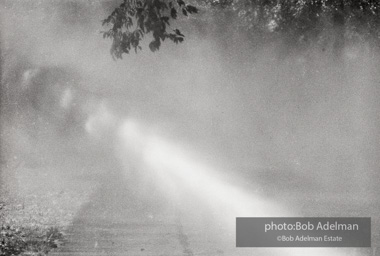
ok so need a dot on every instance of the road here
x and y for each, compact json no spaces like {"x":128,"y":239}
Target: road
{"x":165,"y":202}
{"x":120,"y":221}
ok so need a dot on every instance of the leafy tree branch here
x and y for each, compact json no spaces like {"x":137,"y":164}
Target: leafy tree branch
{"x":134,"y":19}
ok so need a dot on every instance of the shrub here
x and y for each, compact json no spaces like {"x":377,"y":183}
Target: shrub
{"x":16,"y":241}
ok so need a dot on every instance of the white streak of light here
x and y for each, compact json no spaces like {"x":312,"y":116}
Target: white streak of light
{"x":170,"y":163}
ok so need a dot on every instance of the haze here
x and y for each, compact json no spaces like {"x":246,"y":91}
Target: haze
{"x":199,"y":133}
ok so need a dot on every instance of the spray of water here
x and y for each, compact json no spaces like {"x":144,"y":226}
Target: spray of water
{"x":176,"y":170}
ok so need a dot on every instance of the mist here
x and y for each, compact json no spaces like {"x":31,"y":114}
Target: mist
{"x":228,"y":127}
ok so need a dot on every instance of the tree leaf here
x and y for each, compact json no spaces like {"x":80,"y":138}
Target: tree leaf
{"x":178,"y":32}
{"x":180,"y":2}
{"x":165,"y":20}
{"x":173,"y":13}
{"x":191,"y":9}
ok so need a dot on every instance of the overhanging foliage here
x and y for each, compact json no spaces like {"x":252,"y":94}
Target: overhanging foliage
{"x":297,"y":21}
{"x":134,"y":19}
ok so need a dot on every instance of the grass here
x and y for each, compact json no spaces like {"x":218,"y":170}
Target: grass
{"x":37,"y":204}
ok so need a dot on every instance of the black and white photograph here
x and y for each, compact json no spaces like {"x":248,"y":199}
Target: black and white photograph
{"x":190,"y":127}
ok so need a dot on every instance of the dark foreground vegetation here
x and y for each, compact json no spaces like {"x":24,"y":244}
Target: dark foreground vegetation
{"x":19,"y":240}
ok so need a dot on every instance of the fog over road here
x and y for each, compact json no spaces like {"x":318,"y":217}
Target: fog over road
{"x":159,"y":199}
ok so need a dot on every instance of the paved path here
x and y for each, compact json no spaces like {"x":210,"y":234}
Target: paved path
{"x":135,"y":215}
{"x":121,"y":220}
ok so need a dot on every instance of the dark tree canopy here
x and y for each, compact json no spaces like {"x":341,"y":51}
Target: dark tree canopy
{"x":307,"y":21}
{"x":299,"y":22}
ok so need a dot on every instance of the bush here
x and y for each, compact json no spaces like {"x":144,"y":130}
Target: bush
{"x":12,"y":241}
{"x":20,"y":241}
